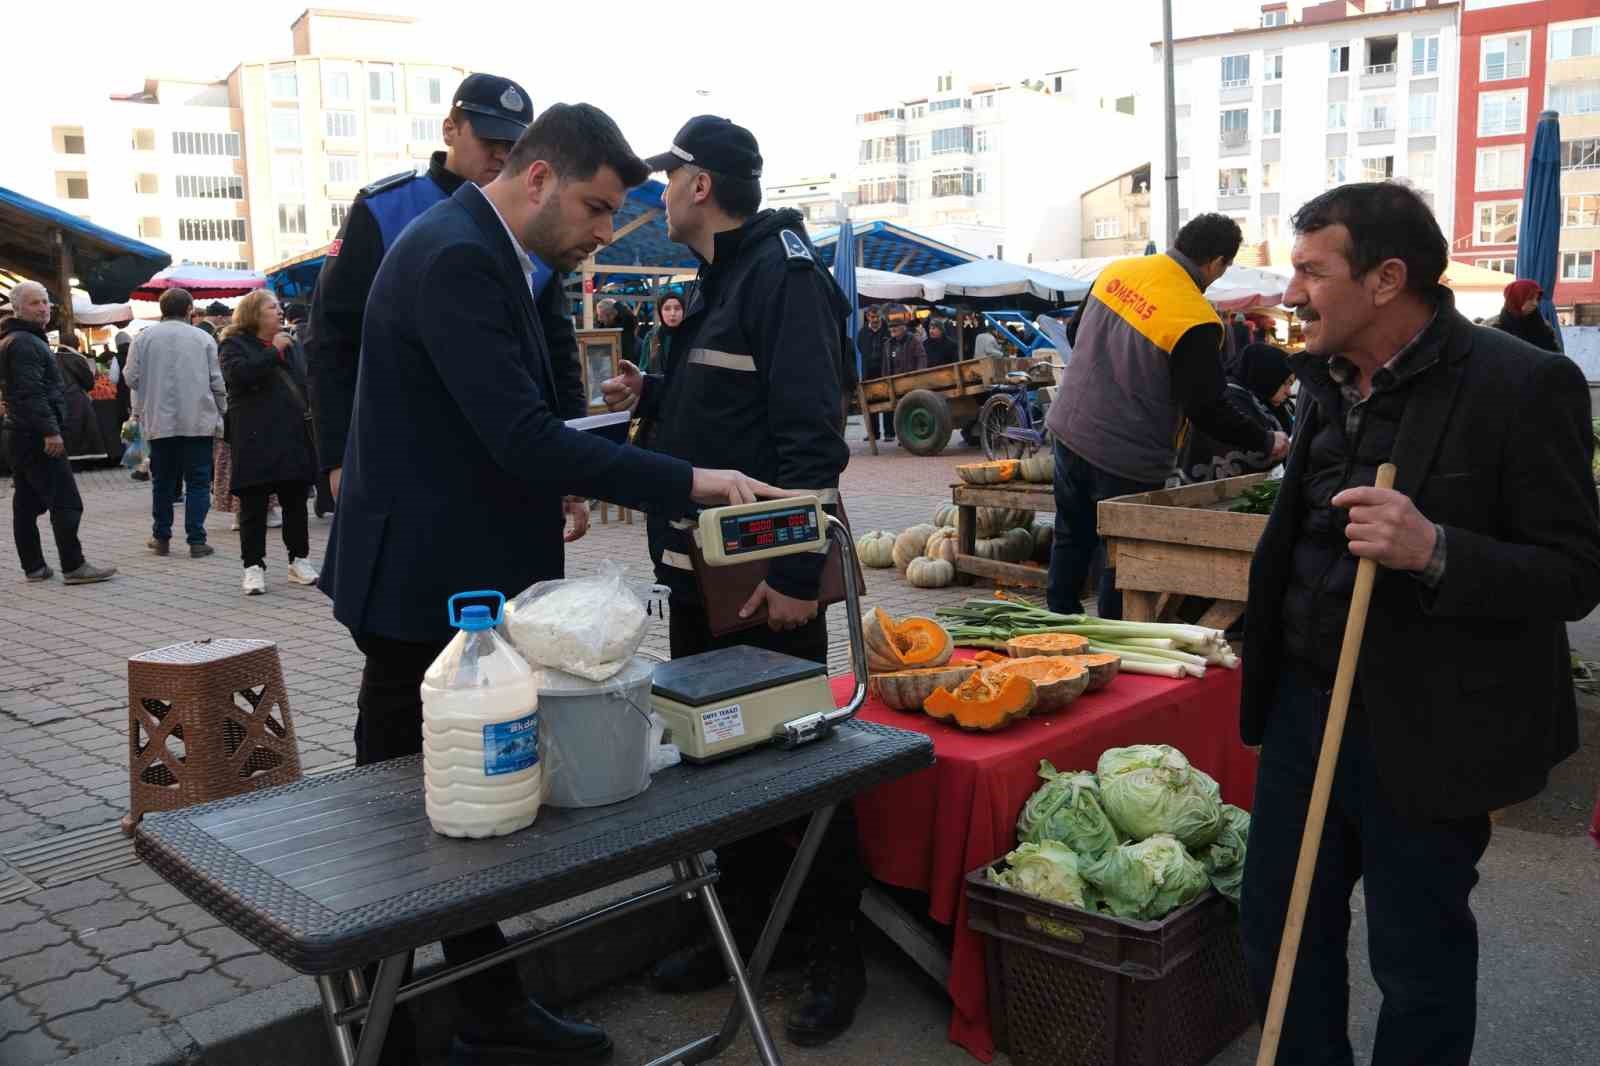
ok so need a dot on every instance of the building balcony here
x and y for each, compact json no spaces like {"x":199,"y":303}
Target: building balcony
{"x":1380,"y":76}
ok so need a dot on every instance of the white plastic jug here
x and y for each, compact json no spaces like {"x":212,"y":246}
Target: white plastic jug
{"x":481,"y":751}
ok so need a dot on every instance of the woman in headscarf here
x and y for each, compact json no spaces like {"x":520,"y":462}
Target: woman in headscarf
{"x":1259,"y":391}
{"x":658,"y":342}
{"x":1520,"y":316}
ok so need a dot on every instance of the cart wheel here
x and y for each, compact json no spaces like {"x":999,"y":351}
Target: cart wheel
{"x":922,"y":422}
{"x":970,"y":435}
{"x":1000,"y":413}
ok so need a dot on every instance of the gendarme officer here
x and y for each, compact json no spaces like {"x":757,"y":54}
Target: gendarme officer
{"x":487,"y":115}
{"x":754,"y":378}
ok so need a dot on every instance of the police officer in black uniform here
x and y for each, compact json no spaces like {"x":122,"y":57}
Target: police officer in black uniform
{"x":755,"y":373}
{"x":487,"y":116}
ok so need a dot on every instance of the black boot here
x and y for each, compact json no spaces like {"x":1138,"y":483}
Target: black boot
{"x":836,"y":981}
{"x":529,"y":1033}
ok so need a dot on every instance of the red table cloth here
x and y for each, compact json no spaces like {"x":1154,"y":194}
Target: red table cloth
{"x":928,"y":831}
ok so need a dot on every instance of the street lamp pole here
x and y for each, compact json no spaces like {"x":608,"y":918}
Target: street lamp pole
{"x":1171,"y":115}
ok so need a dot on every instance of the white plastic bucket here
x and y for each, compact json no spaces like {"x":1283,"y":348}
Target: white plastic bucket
{"x":598,"y":735}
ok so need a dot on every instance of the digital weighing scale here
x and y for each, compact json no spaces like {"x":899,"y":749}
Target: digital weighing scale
{"x":721,"y":702}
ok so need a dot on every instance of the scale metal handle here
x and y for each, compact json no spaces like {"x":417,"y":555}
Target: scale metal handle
{"x":815,"y":726}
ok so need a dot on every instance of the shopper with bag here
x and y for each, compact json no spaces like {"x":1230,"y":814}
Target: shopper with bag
{"x":269,"y":432}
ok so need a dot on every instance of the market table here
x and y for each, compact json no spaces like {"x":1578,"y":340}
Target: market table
{"x":332,"y":873}
{"x":1016,"y":495}
{"x":927,"y":831}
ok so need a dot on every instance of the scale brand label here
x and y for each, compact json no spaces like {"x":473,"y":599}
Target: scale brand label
{"x":509,"y":747}
{"x":724,"y":723}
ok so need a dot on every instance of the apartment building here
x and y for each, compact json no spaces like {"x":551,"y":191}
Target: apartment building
{"x":1116,"y":215}
{"x":247,"y":170}
{"x":1314,"y":96}
{"x":1517,"y":58}
{"x":999,"y":164}
{"x":820,"y":198}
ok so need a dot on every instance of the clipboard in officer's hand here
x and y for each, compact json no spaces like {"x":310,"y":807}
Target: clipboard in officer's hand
{"x":732,"y":586}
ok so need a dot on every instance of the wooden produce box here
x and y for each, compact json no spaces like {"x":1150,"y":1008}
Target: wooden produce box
{"x":1180,"y":542}
{"x":1021,"y":495}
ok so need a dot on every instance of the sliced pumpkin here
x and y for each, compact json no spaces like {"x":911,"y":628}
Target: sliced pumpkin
{"x":1047,"y":644}
{"x":994,"y":472}
{"x":908,"y":690}
{"x":987,"y":658}
{"x":1058,"y":679}
{"x":911,"y":642}
{"x":983,"y":703}
{"x":1102,"y":668}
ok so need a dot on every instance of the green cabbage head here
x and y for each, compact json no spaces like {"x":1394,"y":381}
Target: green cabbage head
{"x":1224,"y":859}
{"x":1151,"y":788}
{"x":1048,"y":870}
{"x":1147,"y":880}
{"x":1067,"y":808}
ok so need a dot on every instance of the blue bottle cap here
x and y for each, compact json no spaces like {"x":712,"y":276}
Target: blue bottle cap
{"x":480,"y":617}
{"x":475,"y":618}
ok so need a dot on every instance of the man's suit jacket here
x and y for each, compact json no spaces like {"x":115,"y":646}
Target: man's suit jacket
{"x":1466,"y":688}
{"x":456,"y":463}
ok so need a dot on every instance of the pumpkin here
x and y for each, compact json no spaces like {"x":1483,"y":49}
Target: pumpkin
{"x":1044,"y":539}
{"x":905,"y":644}
{"x":1102,"y":668}
{"x":947,"y":515}
{"x":944,"y":544}
{"x":1016,"y":546}
{"x":1039,"y":468}
{"x":1047,"y":644}
{"x":986,"y":548}
{"x":993,"y":521}
{"x":925,"y":573}
{"x":909,"y":545}
{"x":995,"y":472}
{"x":907,"y":690}
{"x":876,"y":549}
{"x":988,"y":658}
{"x":1057,"y":679}
{"x":983,"y":702}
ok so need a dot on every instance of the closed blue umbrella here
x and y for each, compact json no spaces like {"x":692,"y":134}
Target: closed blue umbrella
{"x":1539,"y":236}
{"x":844,"y":272}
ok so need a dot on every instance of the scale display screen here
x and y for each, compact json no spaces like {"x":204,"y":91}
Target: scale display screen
{"x":762,"y":531}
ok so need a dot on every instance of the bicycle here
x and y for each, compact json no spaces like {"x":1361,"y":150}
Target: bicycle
{"x":1011,"y":421}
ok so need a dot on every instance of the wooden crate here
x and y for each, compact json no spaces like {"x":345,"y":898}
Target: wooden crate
{"x":1021,"y":495}
{"x":1182,"y":542}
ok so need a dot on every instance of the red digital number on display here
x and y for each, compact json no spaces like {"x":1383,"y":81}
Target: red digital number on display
{"x":758,"y":525}
{"x":763,"y":539}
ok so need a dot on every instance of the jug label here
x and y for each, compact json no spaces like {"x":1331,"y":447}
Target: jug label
{"x":724,"y":723}
{"x":511,"y":746}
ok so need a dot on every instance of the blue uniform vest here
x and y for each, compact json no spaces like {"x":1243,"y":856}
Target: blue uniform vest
{"x":395,"y":205}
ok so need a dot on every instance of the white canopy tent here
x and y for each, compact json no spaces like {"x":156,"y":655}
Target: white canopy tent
{"x":1240,"y":289}
{"x":995,"y":279}
{"x":885,"y":285}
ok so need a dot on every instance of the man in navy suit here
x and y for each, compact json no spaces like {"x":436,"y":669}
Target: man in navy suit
{"x":456,"y":468}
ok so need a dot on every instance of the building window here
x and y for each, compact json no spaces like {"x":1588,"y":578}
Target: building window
{"x":1233,"y":181}
{"x":1573,"y":42}
{"x":336,"y":87}
{"x":144,"y":140}
{"x":187,"y":143}
{"x":947,"y":105}
{"x":1272,"y":122}
{"x":1377,"y":113}
{"x":1272,"y":66}
{"x":1381,"y":55}
{"x":1377,"y":168}
{"x":1506,"y":265}
{"x":147,"y":185}
{"x":980,"y":140}
{"x":1420,"y":166}
{"x":72,"y":186}
{"x":1581,"y":212}
{"x":288,"y":174}
{"x":427,"y":130}
{"x":1424,"y":55}
{"x":1338,"y":115}
{"x":211,"y":229}
{"x":286,"y":128}
{"x":914,"y":149}
{"x":883,"y":191}
{"x":150,"y":228}
{"x":1504,"y":57}
{"x":68,"y":140}
{"x":1581,"y":154}
{"x":1501,"y":113}
{"x":1235,"y":126}
{"x":1577,"y":266}
{"x":380,"y":86}
{"x":1574,"y":98}
{"x":1339,"y":59}
{"x":344,"y":170}
{"x":1271,"y":225}
{"x":283,"y":83}
{"x":980,"y":182}
{"x":1270,"y":19}
{"x":953,"y":139}
{"x":952,"y":183}
{"x":986,"y":100}
{"x":1337,"y":170}
{"x":1107,"y":228}
{"x":339,"y":211}
{"x":385,"y":134}
{"x":1424,"y":112}
{"x":880,"y":116}
{"x":1235,"y":71}
{"x":339,"y":123}
{"x":1500,"y":168}
{"x":883,"y":150}
{"x":210,"y":187}
{"x":291,"y":218}
{"x":1498,"y":223}
{"x":1270,"y":174}
{"x":426,"y":91}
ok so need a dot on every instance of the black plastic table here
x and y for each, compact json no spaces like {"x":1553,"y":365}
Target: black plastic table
{"x":332,"y":873}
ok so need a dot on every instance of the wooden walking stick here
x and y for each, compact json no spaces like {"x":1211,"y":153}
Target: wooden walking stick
{"x":1327,"y":762}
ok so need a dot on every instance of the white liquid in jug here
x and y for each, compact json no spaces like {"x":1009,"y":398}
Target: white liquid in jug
{"x":482,"y":774}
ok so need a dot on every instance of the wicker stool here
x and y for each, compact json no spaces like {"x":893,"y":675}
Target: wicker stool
{"x":206,"y":719}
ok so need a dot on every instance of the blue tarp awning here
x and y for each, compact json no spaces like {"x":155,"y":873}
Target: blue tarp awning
{"x":886,"y":246}
{"x":296,"y":277}
{"x":647,"y":245}
{"x":108,"y":265}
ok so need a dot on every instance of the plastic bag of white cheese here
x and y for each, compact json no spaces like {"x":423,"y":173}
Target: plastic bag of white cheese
{"x":589,"y":626}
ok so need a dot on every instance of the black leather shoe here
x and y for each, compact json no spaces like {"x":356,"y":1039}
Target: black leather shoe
{"x":836,"y":981}
{"x":527,"y":1036}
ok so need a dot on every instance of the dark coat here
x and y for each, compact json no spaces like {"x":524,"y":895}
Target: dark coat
{"x":456,"y":463}
{"x":1531,"y":328}
{"x":30,"y":380}
{"x":1466,"y":688}
{"x":266,"y":417}
{"x":81,"y":430}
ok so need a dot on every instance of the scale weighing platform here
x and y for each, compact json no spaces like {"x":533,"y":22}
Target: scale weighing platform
{"x":725,"y":701}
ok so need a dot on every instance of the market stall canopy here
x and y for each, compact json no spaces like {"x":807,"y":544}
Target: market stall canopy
{"x":106,"y":264}
{"x":640,"y":239}
{"x":895,"y":249}
{"x":1240,"y":289}
{"x":296,"y":277}
{"x":85,"y":312}
{"x":996,"y":280}
{"x":882,"y":285}
{"x":202,"y":282}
